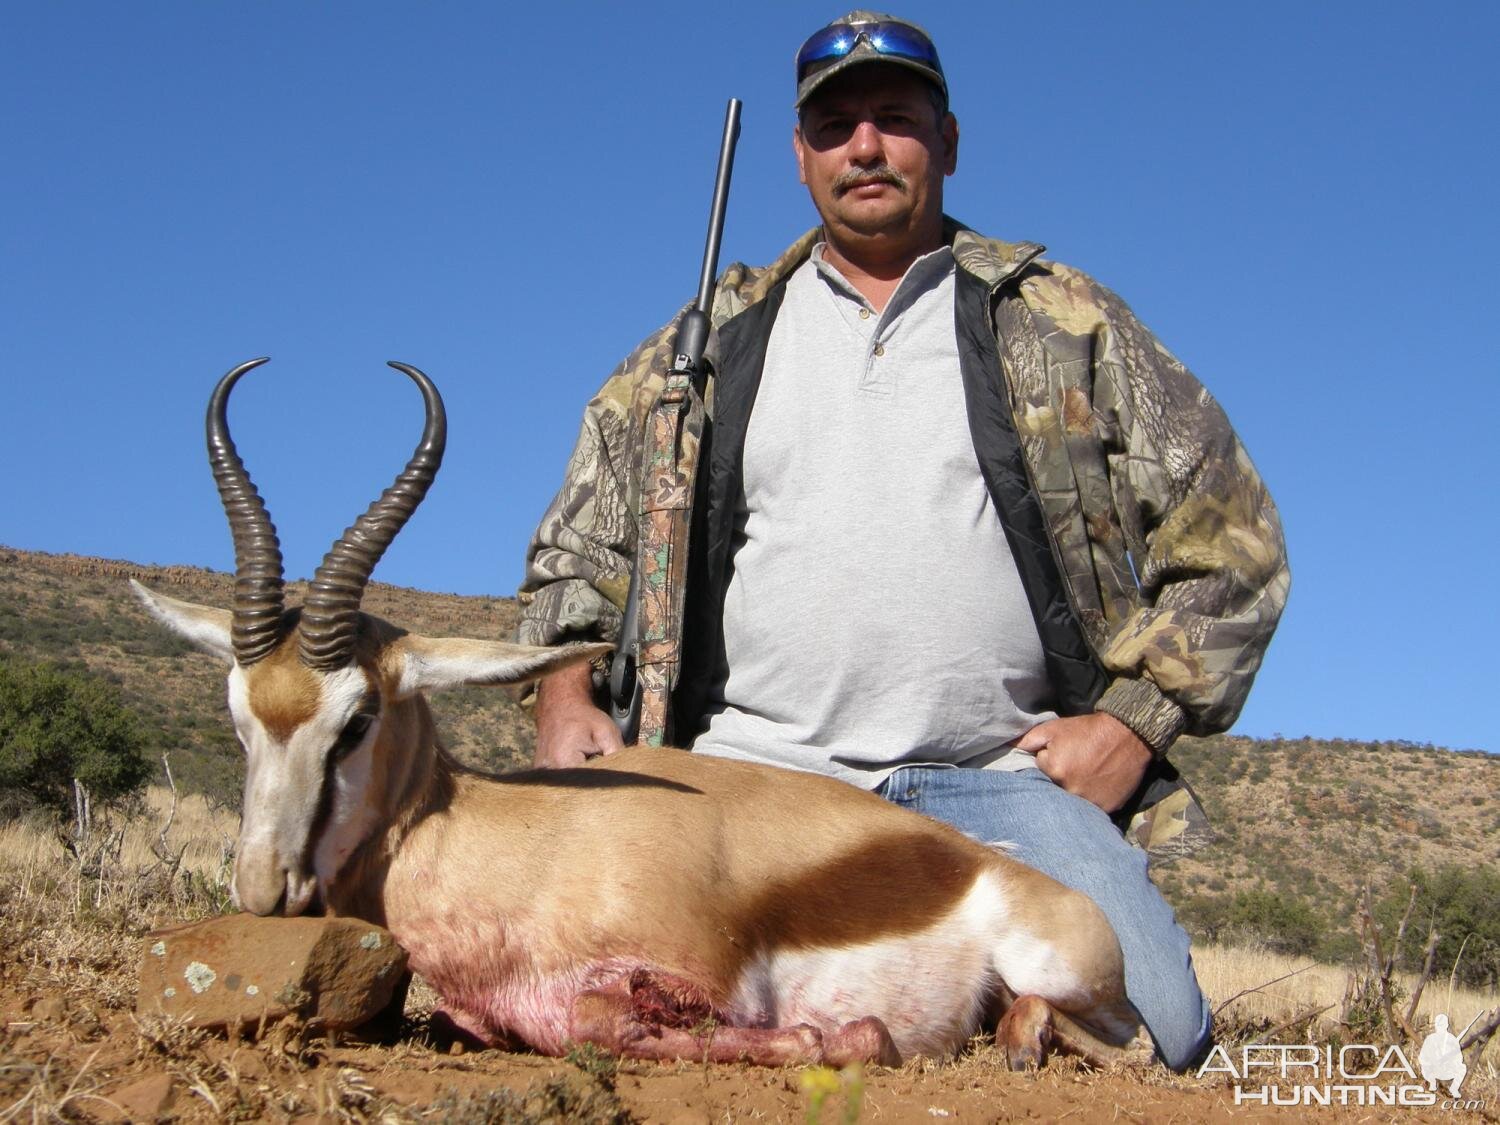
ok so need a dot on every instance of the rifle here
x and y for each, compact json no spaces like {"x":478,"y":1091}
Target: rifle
{"x":686,"y":376}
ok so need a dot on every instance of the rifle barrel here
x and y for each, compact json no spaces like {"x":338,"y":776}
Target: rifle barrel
{"x":721,"y":202}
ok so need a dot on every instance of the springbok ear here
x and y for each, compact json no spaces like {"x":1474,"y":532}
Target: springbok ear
{"x":200,"y":625}
{"x":434,"y":663}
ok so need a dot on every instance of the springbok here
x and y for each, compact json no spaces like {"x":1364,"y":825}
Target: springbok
{"x":656,"y":903}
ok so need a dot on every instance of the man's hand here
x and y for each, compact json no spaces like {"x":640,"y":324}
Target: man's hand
{"x":569,"y":728}
{"x":1095,"y":757}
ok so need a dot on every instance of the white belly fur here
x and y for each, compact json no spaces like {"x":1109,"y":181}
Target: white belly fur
{"x":930,"y":988}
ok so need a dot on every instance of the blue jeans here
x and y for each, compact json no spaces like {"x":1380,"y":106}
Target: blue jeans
{"x":1077,"y":844}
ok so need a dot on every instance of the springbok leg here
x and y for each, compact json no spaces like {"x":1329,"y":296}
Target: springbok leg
{"x":651,"y":1017}
{"x":452,"y":1025}
{"x":1032,"y":1030}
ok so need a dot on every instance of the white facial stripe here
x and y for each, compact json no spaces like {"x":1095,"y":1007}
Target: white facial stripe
{"x":341,"y":692}
{"x":281,"y":798}
{"x":239,"y":697}
{"x":284,"y":784}
{"x":352,"y":814}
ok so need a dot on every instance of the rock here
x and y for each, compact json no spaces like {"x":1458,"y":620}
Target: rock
{"x":49,"y":1009}
{"x":86,"y":1025}
{"x":235,"y":971}
{"x":146,"y":1099}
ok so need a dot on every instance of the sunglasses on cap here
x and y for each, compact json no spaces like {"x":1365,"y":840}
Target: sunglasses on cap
{"x":895,"y":40}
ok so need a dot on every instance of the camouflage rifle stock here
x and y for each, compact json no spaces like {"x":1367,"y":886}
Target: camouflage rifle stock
{"x":645,"y":664}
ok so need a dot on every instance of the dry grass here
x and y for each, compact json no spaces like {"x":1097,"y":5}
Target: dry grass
{"x":204,"y":835}
{"x":1226,"y":970}
{"x":70,"y":920}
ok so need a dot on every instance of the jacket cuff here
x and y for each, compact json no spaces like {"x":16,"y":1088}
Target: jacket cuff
{"x":524,"y":694}
{"x":1141,"y":706}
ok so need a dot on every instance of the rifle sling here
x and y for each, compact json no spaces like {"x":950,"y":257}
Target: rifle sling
{"x":669,"y":467}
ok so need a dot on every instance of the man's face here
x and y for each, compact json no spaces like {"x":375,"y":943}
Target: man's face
{"x":873,"y":152}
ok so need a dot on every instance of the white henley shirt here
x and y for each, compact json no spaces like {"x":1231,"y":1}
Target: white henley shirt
{"x":874,"y":617}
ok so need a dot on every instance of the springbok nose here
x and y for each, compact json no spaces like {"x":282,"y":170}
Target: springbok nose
{"x":257,"y":897}
{"x":262,"y":883}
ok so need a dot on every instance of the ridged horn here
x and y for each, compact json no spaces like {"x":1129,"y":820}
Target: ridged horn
{"x":258,"y":591}
{"x":329,"y":616}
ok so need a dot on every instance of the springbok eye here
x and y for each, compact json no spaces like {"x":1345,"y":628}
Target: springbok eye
{"x":354,"y":731}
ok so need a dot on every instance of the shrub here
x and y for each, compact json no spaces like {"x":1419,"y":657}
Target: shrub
{"x":58,"y":725}
{"x":1464,"y":904}
{"x":1281,"y":922}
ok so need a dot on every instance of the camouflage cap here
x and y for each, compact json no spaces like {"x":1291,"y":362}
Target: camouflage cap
{"x":861,"y":37}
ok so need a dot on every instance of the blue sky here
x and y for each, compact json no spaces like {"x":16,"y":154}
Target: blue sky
{"x":1298,"y":198}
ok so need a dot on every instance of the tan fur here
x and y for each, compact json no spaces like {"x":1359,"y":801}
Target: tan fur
{"x":741,"y":881}
{"x":283,"y":692}
{"x":581,"y":844}
{"x":658,"y":857}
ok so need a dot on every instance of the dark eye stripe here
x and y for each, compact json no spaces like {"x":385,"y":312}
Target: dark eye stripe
{"x":357,"y":727}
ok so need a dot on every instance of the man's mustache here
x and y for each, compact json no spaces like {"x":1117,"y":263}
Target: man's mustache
{"x":858,"y":177}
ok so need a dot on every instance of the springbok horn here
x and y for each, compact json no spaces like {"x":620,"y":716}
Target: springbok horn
{"x":328,"y":617}
{"x":257,"y":553}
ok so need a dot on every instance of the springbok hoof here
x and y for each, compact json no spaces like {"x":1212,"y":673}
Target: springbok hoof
{"x":1025,"y":1033}
{"x":449,"y":1026}
{"x":864,"y":1040}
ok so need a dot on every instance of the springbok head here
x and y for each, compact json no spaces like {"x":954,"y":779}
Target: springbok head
{"x":325,"y":699}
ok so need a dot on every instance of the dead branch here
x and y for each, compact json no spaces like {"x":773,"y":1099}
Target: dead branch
{"x":1300,"y":1018}
{"x":1429,"y":960}
{"x":161,"y":837}
{"x":1479,"y":1035}
{"x":1259,"y":987}
{"x":161,"y":849}
{"x":83,"y":821}
{"x":1395,"y":953}
{"x":1377,"y":962}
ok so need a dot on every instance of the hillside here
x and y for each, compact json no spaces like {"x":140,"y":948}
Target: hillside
{"x":1307,"y":821}
{"x":79,"y":611}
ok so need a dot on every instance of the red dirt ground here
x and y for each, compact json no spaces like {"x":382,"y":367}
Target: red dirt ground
{"x":63,"y":1058}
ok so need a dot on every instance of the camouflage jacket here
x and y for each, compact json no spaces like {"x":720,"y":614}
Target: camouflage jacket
{"x":1165,"y":543}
